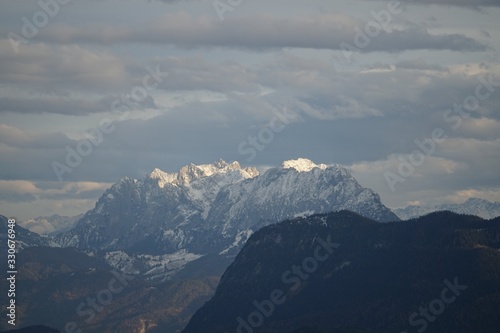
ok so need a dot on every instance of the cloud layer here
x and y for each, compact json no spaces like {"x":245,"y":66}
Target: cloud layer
{"x":147,"y":85}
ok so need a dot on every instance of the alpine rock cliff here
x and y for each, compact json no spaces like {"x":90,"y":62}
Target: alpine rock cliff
{"x":214,"y":208}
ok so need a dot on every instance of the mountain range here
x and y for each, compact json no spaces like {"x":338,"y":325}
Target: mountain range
{"x":24,"y":237}
{"x":214,"y":207}
{"x":50,"y":225}
{"x":56,"y":224}
{"x":175,"y":234}
{"x":473,"y":206}
{"x":156,"y":225}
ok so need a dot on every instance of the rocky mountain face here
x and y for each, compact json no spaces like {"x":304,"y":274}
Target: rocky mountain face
{"x":341,"y":272}
{"x":474,"y":206}
{"x":155,"y":214}
{"x":214,"y":208}
{"x":297,"y":188}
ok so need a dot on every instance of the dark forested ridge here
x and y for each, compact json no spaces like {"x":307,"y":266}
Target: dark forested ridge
{"x":33,"y":329}
{"x":438,"y":273}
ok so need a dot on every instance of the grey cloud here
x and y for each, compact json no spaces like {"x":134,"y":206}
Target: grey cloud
{"x":24,"y":191}
{"x":47,"y":68}
{"x":473,"y":4}
{"x":13,"y":137}
{"x":419,"y":39}
{"x":17,"y":197}
{"x":173,"y":1}
{"x":262,"y":32}
{"x":367,"y":113}
{"x":419,"y":64}
{"x":411,"y":87}
{"x":456,"y":165}
{"x":334,"y":96}
{"x":172,"y":140}
{"x":462,"y":3}
{"x":73,"y":107}
{"x":190,"y":73}
{"x":52,"y":105}
{"x":388,"y":109}
{"x":476,"y":164}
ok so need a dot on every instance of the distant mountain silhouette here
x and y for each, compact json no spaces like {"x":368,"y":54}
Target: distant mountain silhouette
{"x":473,"y":206}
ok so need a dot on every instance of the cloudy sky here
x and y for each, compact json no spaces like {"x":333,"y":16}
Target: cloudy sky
{"x":406,"y":95}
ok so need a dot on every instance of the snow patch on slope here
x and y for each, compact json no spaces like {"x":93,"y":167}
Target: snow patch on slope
{"x":239,"y":240}
{"x":304,"y":214}
{"x":153,"y":267}
{"x":302,"y":165}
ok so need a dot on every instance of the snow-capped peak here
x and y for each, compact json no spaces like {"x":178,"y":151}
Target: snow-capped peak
{"x":163,"y":177}
{"x":302,"y":165}
{"x":192,"y":172}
